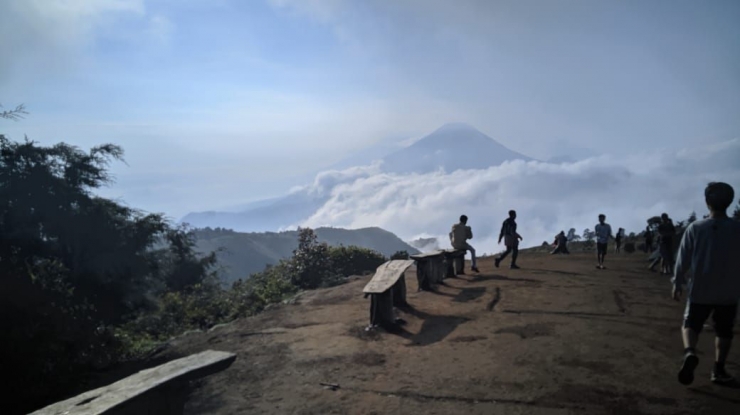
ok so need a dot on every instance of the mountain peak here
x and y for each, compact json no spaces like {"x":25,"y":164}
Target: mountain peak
{"x":456,"y":126}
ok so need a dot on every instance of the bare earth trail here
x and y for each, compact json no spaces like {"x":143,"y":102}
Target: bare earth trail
{"x":555,"y":337}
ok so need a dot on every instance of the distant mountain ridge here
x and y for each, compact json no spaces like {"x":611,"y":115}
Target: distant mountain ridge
{"x":451,"y":147}
{"x":248,"y":253}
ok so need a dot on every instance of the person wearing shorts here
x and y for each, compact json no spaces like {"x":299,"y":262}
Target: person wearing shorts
{"x":709,"y":253}
{"x":603,"y":232}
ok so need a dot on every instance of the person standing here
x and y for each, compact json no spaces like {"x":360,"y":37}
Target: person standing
{"x":667,"y":232}
{"x":709,"y":253}
{"x":459,"y":236}
{"x":648,"y":240}
{"x":618,"y":239}
{"x":603,"y":232}
{"x":511,"y":240}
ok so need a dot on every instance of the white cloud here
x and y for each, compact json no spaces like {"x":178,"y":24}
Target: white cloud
{"x":54,"y":35}
{"x":160,"y":29}
{"x":548,"y":197}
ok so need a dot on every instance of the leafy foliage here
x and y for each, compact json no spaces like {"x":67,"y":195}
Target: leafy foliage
{"x":692,"y":218}
{"x":589,"y":235}
{"x":74,"y":265}
{"x":14,"y":114}
{"x":400,"y":255}
{"x":353,"y":260}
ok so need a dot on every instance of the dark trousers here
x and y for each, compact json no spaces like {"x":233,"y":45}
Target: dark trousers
{"x":514,"y":250}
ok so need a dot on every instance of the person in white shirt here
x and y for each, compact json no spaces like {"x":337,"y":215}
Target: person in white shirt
{"x":603,"y":232}
{"x":459,"y":236}
{"x":709,"y":253}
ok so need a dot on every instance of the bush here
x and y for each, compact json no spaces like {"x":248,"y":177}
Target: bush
{"x":629,"y":247}
{"x":354,"y":260}
{"x":400,"y":255}
{"x":74,"y":266}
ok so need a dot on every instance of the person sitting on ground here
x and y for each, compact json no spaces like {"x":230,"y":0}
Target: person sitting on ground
{"x":459,"y":236}
{"x":603,"y":232}
{"x":709,"y":252}
{"x":667,"y":232}
{"x":512,"y":238}
{"x":618,"y":239}
{"x":561,"y":243}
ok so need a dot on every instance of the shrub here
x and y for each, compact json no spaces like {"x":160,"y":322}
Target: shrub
{"x":400,"y":255}
{"x":629,"y":247}
{"x":353,"y":260}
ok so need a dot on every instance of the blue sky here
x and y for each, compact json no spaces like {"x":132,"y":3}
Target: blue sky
{"x":222,"y":102}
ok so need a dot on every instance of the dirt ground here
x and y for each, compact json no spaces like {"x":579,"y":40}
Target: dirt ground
{"x":555,"y":337}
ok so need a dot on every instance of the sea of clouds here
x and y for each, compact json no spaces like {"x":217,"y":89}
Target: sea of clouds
{"x":547,"y":197}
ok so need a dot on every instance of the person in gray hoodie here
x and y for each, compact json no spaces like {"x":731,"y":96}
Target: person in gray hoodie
{"x":709,"y":253}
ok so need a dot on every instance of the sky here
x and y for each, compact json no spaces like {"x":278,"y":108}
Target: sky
{"x":220,"y":102}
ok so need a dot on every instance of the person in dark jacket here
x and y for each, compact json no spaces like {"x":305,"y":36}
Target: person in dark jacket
{"x":511,"y":240}
{"x":561,"y":244}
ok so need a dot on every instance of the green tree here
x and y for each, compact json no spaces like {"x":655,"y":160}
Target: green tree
{"x":14,"y":114}
{"x":311,"y":265}
{"x":589,"y":235}
{"x":692,"y":218}
{"x":73,"y":264}
{"x":653,"y":223}
{"x":400,"y":255}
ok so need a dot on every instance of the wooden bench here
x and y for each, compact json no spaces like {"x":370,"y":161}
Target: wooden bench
{"x":430,"y":269}
{"x":455,"y":262}
{"x":160,"y":390}
{"x":387,"y":289}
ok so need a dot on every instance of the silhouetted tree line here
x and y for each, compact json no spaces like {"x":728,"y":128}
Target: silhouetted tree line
{"x":86,"y":282}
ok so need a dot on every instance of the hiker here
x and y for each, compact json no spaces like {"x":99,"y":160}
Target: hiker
{"x":657,"y":258}
{"x":459,"y":235}
{"x":648,"y":240}
{"x":561,"y":243}
{"x":603,"y":232}
{"x":618,"y":239}
{"x":709,"y":252}
{"x":511,"y":240}
{"x":667,"y":232}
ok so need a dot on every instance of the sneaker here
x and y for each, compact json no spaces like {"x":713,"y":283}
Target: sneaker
{"x":686,"y":375}
{"x":514,"y":266}
{"x":474,"y":269}
{"x":721,"y":377}
{"x":497,"y":262}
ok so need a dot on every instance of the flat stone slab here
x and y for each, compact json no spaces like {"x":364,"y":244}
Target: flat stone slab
{"x":428,"y":255}
{"x":109,"y":399}
{"x":386,"y":275}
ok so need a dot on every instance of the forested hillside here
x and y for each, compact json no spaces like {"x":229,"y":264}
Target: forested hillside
{"x":242,"y":254}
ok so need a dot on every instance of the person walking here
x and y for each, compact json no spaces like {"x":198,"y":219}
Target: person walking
{"x":709,"y":253}
{"x":667,"y":232}
{"x":603,"y":232}
{"x":511,"y":240}
{"x":459,"y":236}
{"x":648,"y":240}
{"x":618,"y":240}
